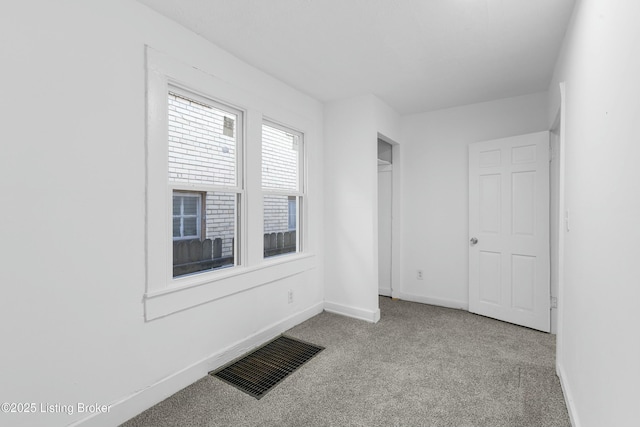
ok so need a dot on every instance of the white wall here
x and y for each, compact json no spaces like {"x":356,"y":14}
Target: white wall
{"x":598,"y":335}
{"x":435,"y":190}
{"x":72,"y":178}
{"x":351,"y":203}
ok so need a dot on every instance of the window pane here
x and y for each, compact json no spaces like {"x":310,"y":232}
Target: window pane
{"x":190,"y":205}
{"x":279,"y":237}
{"x":279,"y":159}
{"x":215,"y":248}
{"x":177,"y":201}
{"x":292,"y":213}
{"x":190,"y":227}
{"x":176,"y":227}
{"x":202,"y":143}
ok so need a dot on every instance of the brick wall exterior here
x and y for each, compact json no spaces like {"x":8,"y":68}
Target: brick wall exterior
{"x":276,"y":214}
{"x":279,"y":159}
{"x":279,"y":171}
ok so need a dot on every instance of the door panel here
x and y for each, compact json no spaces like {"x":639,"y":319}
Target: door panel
{"x":523,"y":274}
{"x":490,"y":277}
{"x":523,"y":186}
{"x":509,"y":217}
{"x":490,"y":203}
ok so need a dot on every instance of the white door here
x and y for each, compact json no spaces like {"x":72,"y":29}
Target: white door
{"x":384,"y":230}
{"x":509,"y":229}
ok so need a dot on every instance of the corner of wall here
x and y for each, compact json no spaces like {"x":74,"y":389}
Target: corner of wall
{"x":371,"y":316}
{"x":568,"y":395}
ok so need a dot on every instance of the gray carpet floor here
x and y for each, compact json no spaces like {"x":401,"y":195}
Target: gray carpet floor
{"x":420,"y":365}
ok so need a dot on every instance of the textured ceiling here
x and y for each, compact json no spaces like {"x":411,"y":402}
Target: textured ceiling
{"x":416,"y":55}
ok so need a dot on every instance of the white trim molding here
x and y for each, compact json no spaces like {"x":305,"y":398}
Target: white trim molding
{"x":163,"y":303}
{"x":132,"y":405}
{"x":371,"y":316}
{"x":568,"y":396}
{"x":441,"y":302}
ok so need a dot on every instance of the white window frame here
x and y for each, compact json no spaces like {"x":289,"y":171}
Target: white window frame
{"x":204,"y":188}
{"x":165,"y":76}
{"x":300,"y":194}
{"x":163,"y":294}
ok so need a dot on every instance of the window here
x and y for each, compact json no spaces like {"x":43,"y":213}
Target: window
{"x":187,"y":215}
{"x":203,"y":146}
{"x":200,"y":244}
{"x":282,"y":155}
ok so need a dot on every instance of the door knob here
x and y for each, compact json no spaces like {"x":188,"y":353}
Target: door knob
{"x":473,"y":240}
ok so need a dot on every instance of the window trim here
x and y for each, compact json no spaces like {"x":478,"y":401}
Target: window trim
{"x":163,"y":295}
{"x":165,"y":75}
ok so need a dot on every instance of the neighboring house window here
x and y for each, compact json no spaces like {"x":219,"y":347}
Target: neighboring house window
{"x":282,"y":187}
{"x":203,"y":144}
{"x":187,"y":215}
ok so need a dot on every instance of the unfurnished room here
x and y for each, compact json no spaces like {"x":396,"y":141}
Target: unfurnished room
{"x":320,"y":213}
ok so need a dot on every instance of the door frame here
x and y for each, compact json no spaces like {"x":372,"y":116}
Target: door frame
{"x":559,"y":126}
{"x":396,"y":204}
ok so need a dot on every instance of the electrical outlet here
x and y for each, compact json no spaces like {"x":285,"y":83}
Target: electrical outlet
{"x":290,"y":296}
{"x":419,"y":275}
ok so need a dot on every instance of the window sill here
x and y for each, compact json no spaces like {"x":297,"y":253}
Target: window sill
{"x":199,"y":289}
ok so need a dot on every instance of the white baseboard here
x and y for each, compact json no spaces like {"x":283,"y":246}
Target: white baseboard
{"x":568,"y":396}
{"x":130,"y":406}
{"x":355,"y":312}
{"x":442,"y":302}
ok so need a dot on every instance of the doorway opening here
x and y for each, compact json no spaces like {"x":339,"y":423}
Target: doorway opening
{"x":388,"y":215}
